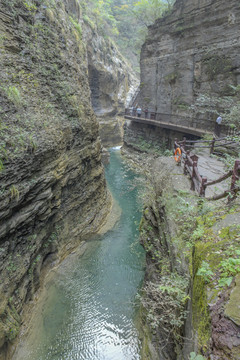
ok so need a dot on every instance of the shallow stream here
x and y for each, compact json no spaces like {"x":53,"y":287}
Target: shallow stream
{"x":90,"y":311}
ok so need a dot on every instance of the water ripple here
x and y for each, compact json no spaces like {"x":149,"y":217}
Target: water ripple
{"x":89,"y":310}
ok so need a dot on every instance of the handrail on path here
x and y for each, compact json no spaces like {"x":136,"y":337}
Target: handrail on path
{"x":199,"y":182}
{"x":190,"y":161}
{"x":223,"y":142}
{"x":178,"y":120}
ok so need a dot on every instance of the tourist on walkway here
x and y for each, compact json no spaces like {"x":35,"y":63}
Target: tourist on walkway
{"x":139,"y":112}
{"x":218,"y":126}
{"x":146,"y":112}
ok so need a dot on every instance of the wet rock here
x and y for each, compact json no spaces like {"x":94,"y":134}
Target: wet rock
{"x":105,"y":156}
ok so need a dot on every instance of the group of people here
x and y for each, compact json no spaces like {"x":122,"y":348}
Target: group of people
{"x":138,"y":111}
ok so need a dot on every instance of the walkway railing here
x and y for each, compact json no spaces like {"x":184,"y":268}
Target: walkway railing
{"x":199,"y":182}
{"x":178,"y":120}
{"x":212,"y":144}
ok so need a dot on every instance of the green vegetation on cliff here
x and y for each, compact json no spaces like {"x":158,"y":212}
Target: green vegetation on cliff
{"x":193,"y":258}
{"x":124,"y":21}
{"x":37,"y":94}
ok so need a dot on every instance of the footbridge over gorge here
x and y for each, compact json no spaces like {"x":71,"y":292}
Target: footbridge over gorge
{"x":180,"y":123}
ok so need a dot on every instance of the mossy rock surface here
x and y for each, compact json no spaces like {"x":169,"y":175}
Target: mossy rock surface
{"x":232,"y":309}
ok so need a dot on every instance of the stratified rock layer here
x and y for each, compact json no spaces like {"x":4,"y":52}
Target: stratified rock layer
{"x":52,"y":185}
{"x":190,"y":60}
{"x":112,"y":83}
{"x":111,"y":78}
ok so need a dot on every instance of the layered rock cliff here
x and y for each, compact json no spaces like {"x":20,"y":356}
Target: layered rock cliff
{"x":112,"y":83}
{"x":190,"y":61}
{"x":53,"y":190}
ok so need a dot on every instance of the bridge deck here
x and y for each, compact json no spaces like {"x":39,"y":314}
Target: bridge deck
{"x":165,"y":125}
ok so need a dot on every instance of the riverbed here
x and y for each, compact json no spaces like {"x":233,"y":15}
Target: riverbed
{"x":90,"y":309}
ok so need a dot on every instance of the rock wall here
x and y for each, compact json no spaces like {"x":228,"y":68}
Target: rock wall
{"x":190,"y":61}
{"x":111,"y":79}
{"x":166,"y":325}
{"x":190,"y":294}
{"x":135,"y":132}
{"x":52,"y":184}
{"x":112,"y":83}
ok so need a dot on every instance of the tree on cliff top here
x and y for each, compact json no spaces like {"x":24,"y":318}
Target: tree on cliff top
{"x":126,"y":21}
{"x":148,"y":11}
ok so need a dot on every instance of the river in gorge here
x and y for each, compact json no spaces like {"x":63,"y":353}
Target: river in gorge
{"x":90,"y":306}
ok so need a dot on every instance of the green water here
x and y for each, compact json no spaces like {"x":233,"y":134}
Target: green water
{"x":90,"y":308}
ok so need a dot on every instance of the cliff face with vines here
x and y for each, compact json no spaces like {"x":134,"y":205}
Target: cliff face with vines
{"x":52,"y":186}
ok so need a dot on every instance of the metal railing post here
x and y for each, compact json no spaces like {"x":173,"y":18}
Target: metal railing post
{"x":212,"y":145}
{"x":193,"y":175}
{"x":194,"y":166}
{"x":203,"y":186}
{"x":235,"y":177}
{"x":185,"y":162}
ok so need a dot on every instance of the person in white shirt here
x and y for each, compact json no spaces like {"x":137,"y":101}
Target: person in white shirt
{"x":218,"y":125}
{"x":139,"y":112}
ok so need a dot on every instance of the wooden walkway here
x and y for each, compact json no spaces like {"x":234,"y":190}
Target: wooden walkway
{"x":201,"y":172}
{"x":167,"y":125}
